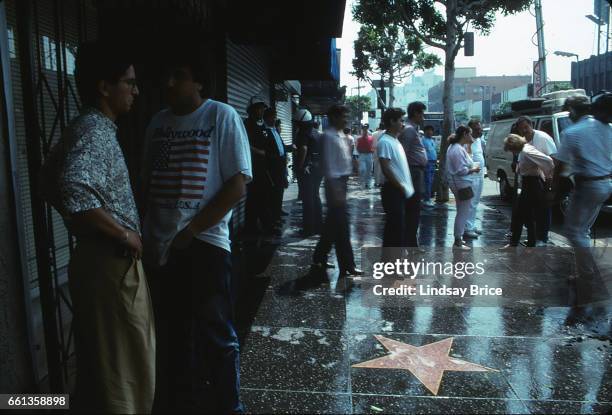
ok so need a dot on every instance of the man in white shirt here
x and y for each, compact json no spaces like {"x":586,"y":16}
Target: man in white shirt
{"x":545,"y":144}
{"x":197,"y":168}
{"x":471,"y":231}
{"x":397,"y":184}
{"x":337,"y":167}
{"x":377,"y":173}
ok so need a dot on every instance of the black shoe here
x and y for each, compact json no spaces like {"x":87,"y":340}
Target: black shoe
{"x":349,"y":272}
{"x":284,"y":213}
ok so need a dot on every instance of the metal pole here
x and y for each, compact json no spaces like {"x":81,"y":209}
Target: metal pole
{"x":541,"y":46}
{"x":43,"y":260}
{"x":598,"y":35}
{"x":7,"y":109}
{"x":606,"y":57}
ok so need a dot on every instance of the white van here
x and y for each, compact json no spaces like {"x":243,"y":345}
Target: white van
{"x":499,"y":162}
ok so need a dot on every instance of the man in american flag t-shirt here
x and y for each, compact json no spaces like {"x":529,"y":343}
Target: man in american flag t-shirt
{"x":197,"y":166}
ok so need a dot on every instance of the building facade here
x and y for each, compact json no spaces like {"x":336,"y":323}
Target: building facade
{"x":477,"y":88}
{"x":593,"y":74}
{"x":38,"y":43}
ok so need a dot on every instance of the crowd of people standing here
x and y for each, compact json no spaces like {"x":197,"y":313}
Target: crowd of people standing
{"x":200,"y":160}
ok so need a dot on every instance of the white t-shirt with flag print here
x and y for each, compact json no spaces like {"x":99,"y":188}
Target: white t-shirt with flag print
{"x":188,"y":160}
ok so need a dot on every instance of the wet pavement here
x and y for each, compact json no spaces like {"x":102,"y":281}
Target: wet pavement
{"x":326,"y":349}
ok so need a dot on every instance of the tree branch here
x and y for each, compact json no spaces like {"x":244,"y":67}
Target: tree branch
{"x":408,"y":24}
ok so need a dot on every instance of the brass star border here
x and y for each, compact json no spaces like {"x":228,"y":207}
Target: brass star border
{"x":427,"y":363}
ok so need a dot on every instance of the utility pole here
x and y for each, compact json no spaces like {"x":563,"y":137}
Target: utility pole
{"x":605,"y":85}
{"x":541,"y":46}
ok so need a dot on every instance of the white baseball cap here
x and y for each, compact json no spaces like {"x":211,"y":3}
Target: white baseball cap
{"x":257,"y":99}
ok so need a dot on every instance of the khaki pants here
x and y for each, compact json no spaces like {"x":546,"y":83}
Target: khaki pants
{"x":114,"y":330}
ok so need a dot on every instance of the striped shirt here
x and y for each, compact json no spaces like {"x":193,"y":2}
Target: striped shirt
{"x":189,"y":158}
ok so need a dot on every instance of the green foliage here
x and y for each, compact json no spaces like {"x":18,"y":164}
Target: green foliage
{"x":387,"y":52}
{"x":357,"y":105}
{"x":427,"y":19}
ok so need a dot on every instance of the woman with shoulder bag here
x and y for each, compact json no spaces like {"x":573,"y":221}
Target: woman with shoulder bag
{"x":459,"y":167}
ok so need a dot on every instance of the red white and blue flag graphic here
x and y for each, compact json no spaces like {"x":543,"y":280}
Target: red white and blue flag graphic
{"x":180,"y":167}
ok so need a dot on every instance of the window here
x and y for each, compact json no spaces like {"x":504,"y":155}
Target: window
{"x":546,"y":126}
{"x":11,"y":43}
{"x":70,"y":61}
{"x":49,"y":60}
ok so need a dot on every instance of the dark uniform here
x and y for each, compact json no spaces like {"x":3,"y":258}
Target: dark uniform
{"x":311,"y":177}
{"x":276,"y":162}
{"x":258,"y":190}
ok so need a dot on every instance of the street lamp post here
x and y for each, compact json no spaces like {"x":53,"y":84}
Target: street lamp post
{"x":566,"y":54}
{"x":599,"y":22}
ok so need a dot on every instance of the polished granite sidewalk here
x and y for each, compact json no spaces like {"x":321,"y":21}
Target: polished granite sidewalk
{"x":326,"y":350}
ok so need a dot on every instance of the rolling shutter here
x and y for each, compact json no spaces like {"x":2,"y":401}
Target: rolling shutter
{"x":248,"y":74}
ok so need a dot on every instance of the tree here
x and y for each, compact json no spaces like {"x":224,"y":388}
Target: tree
{"x":357,"y":105}
{"x":387,"y":53}
{"x":440,"y":24}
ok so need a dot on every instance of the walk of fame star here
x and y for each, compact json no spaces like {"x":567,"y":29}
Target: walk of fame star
{"x":427,"y":362}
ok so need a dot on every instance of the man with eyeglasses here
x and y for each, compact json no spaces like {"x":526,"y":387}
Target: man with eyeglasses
{"x":86,"y":179}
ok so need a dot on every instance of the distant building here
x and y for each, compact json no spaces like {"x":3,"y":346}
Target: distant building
{"x":593,"y":74}
{"x":477,"y":88}
{"x":416,"y":89}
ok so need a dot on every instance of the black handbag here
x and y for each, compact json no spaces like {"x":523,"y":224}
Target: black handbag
{"x":465,"y":194}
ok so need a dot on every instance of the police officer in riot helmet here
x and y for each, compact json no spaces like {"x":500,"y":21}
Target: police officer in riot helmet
{"x":308,"y":170}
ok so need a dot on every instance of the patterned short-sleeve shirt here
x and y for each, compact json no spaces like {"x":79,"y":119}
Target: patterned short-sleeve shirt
{"x":91,"y":170}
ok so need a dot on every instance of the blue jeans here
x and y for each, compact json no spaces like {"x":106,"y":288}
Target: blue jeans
{"x":430,"y":170}
{"x":366,"y":164}
{"x":587,"y":200}
{"x":202,"y":339}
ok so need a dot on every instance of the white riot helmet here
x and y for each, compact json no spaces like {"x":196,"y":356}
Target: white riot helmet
{"x":302,"y":115}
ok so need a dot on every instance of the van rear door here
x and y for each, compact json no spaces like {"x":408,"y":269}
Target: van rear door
{"x":499,"y":162}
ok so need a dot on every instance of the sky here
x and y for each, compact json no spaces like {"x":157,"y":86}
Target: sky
{"x":508,"y":49}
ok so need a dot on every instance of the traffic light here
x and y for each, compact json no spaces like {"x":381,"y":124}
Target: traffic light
{"x":468,"y":44}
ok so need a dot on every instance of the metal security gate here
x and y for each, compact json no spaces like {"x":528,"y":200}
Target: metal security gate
{"x":43,"y":37}
{"x":248,"y":74}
